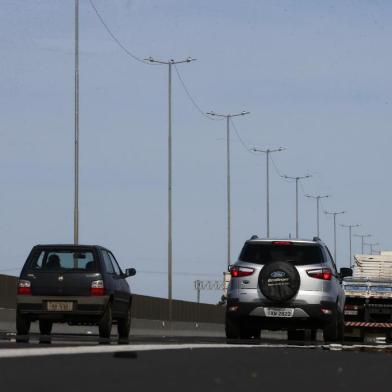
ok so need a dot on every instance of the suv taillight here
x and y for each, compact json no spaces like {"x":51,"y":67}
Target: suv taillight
{"x":97,"y":287}
{"x":237,"y":272}
{"x":24,"y":287}
{"x":320,"y":273}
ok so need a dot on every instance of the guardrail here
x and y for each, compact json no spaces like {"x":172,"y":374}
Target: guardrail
{"x":143,"y":307}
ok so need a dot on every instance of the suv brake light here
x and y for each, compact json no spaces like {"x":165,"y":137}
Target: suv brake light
{"x":321,"y":273}
{"x":24,"y":287}
{"x":237,"y":272}
{"x":97,"y":287}
{"x":282,"y":243}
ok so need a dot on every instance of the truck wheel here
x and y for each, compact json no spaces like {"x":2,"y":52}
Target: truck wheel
{"x":22,"y":328}
{"x":105,"y":324}
{"x":124,"y":326}
{"x":45,"y":327}
{"x":232,"y":328}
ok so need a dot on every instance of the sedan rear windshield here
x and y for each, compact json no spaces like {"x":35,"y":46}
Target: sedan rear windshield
{"x":63,"y":260}
{"x":295,"y":253}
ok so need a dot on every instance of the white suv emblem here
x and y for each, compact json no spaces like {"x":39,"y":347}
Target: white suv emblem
{"x":61,"y":278}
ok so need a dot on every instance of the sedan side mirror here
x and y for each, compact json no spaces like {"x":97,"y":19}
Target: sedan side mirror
{"x":345,"y":272}
{"x":130,"y":272}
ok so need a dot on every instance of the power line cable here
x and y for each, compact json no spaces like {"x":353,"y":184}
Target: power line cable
{"x":115,"y":39}
{"x":198,"y":108}
{"x":240,"y":139}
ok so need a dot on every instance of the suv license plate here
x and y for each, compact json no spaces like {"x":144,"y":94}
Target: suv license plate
{"x":279,"y":312}
{"x":59,"y":306}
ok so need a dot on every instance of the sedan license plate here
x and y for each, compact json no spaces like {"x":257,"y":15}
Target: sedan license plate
{"x":279,"y":312}
{"x":59,"y":306}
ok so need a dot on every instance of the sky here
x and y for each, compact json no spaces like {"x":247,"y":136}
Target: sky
{"x":315,"y":77}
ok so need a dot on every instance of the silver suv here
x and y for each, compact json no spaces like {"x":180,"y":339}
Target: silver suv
{"x":285,"y":284}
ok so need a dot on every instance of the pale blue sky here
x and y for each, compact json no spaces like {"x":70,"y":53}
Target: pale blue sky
{"x":316,"y":77}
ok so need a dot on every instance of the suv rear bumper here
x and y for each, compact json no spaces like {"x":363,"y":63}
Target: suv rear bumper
{"x":305,"y":315}
{"x":85,"y":308}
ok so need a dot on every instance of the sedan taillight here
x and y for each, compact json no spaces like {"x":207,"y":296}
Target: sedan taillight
{"x":24,"y":287}
{"x":320,"y":273}
{"x":237,"y":272}
{"x":97,"y":287}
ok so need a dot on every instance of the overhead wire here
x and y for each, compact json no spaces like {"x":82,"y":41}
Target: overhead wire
{"x":116,"y":40}
{"x":246,"y":147}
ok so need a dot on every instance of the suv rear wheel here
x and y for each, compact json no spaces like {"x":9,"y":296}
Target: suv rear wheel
{"x":334,"y":330}
{"x":232,"y":328}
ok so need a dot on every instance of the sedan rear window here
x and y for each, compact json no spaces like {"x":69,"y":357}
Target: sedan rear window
{"x":63,"y":260}
{"x":295,"y":253}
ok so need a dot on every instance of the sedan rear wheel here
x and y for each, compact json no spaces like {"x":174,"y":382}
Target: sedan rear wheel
{"x":105,"y":324}
{"x":22,"y":328}
{"x":124,"y":326}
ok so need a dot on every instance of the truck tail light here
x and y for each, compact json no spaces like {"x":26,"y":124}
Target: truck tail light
{"x":320,"y":273}
{"x":97,"y":287}
{"x":24,"y":287}
{"x":237,"y":272}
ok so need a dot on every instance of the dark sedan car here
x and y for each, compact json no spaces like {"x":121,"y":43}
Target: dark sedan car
{"x":77,"y":284}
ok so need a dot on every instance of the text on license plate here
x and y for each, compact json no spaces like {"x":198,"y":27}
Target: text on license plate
{"x":59,"y":306}
{"x":279,"y":312}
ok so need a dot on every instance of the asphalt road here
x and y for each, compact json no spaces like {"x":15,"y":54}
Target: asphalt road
{"x":74,"y":364}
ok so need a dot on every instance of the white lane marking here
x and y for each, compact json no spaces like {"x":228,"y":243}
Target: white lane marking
{"x":47,"y":351}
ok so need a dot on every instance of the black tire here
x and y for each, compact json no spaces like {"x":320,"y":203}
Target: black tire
{"x":22,"y":328}
{"x":334,"y":330}
{"x":296,"y":334}
{"x":106,"y":322}
{"x":45,"y":327}
{"x":232,"y":328}
{"x":279,"y":281}
{"x":124,"y":326}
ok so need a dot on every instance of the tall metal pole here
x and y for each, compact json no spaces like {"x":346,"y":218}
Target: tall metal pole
{"x":371,"y":246}
{"x":318,"y":197}
{"x":334,"y":230}
{"x":228,"y":187}
{"x":170,"y":63}
{"x":350,"y":227}
{"x":76,"y":168}
{"x":362,"y":236}
{"x":267,"y":156}
{"x":297,"y":179}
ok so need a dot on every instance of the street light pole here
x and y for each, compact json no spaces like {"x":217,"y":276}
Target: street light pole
{"x":350,"y":227}
{"x":363,"y":236}
{"x":76,"y":125}
{"x":334,"y":229}
{"x":267,"y":154}
{"x":170,"y":63}
{"x":371,"y":246}
{"x":318,"y":197}
{"x":228,"y":187}
{"x":297,"y":179}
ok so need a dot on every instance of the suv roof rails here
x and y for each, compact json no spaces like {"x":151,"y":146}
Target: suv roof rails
{"x":316,"y":239}
{"x":254,"y":237}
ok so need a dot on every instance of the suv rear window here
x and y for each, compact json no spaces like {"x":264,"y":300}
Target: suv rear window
{"x":63,"y":260}
{"x":296,"y":253}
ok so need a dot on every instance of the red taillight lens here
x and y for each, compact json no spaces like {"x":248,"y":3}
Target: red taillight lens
{"x":24,"y":287}
{"x":237,"y":272}
{"x":97,"y":287}
{"x":321,"y":273}
{"x":282,"y":243}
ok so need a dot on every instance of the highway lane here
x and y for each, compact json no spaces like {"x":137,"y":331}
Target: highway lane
{"x":185,"y":367}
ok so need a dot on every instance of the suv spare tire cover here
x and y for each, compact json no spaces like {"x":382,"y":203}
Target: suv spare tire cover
{"x":279,"y":281}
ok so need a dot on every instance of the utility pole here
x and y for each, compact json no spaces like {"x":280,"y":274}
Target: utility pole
{"x":371,"y":246}
{"x":76,"y":138}
{"x":350,"y":227}
{"x":297,"y":179}
{"x":362,"y":236}
{"x":228,"y":117}
{"x":267,"y":154}
{"x":318,"y":197}
{"x":334,"y":229}
{"x":170,"y":64}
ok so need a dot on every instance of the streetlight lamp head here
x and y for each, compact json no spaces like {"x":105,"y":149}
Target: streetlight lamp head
{"x":211,"y":113}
